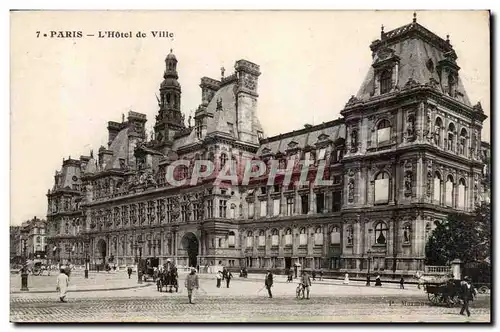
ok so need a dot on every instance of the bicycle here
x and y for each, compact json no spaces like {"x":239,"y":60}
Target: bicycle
{"x":300,"y":291}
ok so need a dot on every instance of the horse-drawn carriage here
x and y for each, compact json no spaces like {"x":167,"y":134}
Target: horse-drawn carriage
{"x":149,"y":268}
{"x":168,"y":278}
{"x":443,"y":292}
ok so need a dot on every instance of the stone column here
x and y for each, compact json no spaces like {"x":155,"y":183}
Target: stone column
{"x":297,"y":205}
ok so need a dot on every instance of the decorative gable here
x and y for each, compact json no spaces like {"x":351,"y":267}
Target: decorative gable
{"x":292,"y":145}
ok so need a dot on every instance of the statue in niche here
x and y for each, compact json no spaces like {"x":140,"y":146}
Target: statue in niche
{"x":437,"y":135}
{"x":354,"y":140}
{"x":429,"y":184}
{"x":408,"y":183}
{"x":410,"y":127}
{"x":350,"y":191}
{"x":406,"y":236}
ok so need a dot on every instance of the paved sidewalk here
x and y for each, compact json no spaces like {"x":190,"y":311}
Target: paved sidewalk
{"x":97,"y":281}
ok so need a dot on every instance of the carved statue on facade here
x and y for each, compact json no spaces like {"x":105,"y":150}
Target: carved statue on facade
{"x":429,"y":184}
{"x":408,"y":183}
{"x":354,"y":140}
{"x":350,"y":190}
{"x":437,"y":135}
{"x":410,"y":128}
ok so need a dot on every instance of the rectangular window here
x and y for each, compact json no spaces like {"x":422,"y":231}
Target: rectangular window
{"x":275,"y":240}
{"x":262,"y":240}
{"x":337,"y":201}
{"x":263,"y":190}
{"x":303,"y":239}
{"x":321,"y":154}
{"x":263,"y":208}
{"x":384,"y":135}
{"x":318,"y":239}
{"x":222,"y":208}
{"x":276,"y":207}
{"x":381,"y":191}
{"x":304,"y":200}
{"x":288,"y":239}
{"x":249,"y":241}
{"x":210,"y":209}
{"x":251,"y":207}
{"x":320,"y":202}
{"x":289,"y":206}
{"x":230,"y":241}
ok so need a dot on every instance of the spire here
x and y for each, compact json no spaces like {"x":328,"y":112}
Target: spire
{"x":222,"y":70}
{"x":448,"y":39}
{"x":382,"y":32}
{"x":414,"y":17}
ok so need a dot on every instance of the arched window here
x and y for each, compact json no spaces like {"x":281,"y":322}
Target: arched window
{"x":37,"y":239}
{"x":249,"y":239}
{"x":220,"y":243}
{"x":262,"y":239}
{"x":288,"y":237}
{"x":437,"y":188}
{"x":223,"y":160}
{"x":335,"y":235}
{"x":438,"y":126}
{"x":318,"y":236}
{"x":381,"y":195}
{"x":303,"y":237}
{"x":383,"y":131}
{"x":231,"y":239}
{"x":449,"y":191}
{"x":463,"y":142}
{"x":232,"y":213}
{"x":461,"y":204}
{"x":349,"y":233}
{"x":385,"y":81}
{"x":381,"y":233}
{"x":451,"y":137}
{"x":275,"y":240}
{"x":407,"y":234}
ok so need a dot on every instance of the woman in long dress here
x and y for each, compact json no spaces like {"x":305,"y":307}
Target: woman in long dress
{"x":62,"y":285}
{"x":346,"y":279}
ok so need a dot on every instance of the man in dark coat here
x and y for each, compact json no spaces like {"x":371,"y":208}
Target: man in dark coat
{"x":467,"y":293}
{"x":269,"y":282}
{"x":402,"y":283}
{"x":129,"y":271}
{"x":378,"y":282}
{"x":229,"y":276}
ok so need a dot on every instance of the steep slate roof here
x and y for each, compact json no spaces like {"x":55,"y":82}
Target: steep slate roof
{"x":416,"y":47}
{"x":119,"y":146}
{"x":304,"y":137}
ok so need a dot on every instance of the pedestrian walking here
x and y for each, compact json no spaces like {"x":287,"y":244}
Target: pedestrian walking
{"x":314,"y":275}
{"x":290,"y":276}
{"x":191,"y":283}
{"x":62,"y":284}
{"x":321,"y":274}
{"x":306,"y":282}
{"x":467,"y":293}
{"x":129,"y":271}
{"x":269,"y":282}
{"x":378,"y":282}
{"x":402,"y":283}
{"x":346,"y":279}
{"x":229,"y":276}
{"x":219,"y":278}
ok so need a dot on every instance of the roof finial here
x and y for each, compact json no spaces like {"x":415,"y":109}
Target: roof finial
{"x":171,"y":50}
{"x":382,"y":32}
{"x":414,"y":17}
{"x":222,"y":70}
{"x":448,"y":39}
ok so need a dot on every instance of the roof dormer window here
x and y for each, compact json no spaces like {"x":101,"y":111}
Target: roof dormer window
{"x":385,"y":81}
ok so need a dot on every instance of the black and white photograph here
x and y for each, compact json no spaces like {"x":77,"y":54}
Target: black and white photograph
{"x":250,"y":166}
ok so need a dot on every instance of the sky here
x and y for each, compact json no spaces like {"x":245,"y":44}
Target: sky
{"x":64,"y":90}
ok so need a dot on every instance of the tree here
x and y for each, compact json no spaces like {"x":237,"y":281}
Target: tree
{"x":466,"y":237}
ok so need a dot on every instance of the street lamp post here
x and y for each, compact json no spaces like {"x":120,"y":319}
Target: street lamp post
{"x":24,"y":271}
{"x":369,"y":252}
{"x":139,"y":272}
{"x":87,"y":258}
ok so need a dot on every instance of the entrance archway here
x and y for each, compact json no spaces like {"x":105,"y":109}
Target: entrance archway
{"x":190,"y":243}
{"x":101,"y":249}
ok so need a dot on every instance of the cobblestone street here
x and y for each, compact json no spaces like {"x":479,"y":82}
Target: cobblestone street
{"x":244,"y":301}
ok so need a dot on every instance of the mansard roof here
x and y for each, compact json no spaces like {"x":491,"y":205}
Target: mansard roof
{"x":328,"y":131}
{"x":419,"y":53}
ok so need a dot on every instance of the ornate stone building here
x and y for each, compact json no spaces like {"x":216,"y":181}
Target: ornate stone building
{"x":406,"y":152}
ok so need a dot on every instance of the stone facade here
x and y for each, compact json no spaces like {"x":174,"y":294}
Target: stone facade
{"x":406,"y":152}
{"x":31,"y":233}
